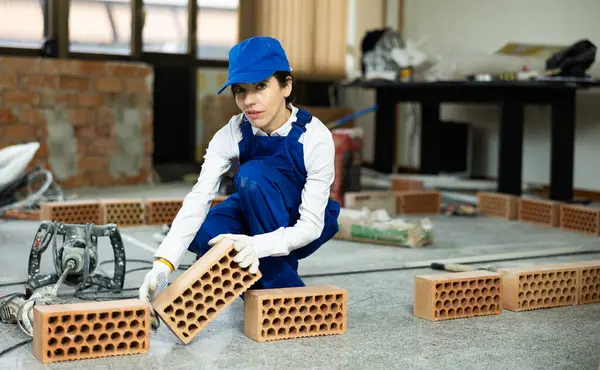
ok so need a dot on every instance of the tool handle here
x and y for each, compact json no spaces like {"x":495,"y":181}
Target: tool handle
{"x":452,"y":267}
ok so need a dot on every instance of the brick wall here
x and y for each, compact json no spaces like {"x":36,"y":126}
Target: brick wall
{"x":93,"y":120}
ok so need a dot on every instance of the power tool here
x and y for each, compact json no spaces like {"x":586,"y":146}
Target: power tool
{"x":75,"y":259}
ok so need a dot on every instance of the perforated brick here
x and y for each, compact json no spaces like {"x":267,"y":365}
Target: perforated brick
{"x":196,"y":298}
{"x":540,"y":286}
{"x":72,"y":212}
{"x":274,"y":314}
{"x":90,"y":330}
{"x":404,"y":184}
{"x":539,"y":211}
{"x":161,"y":211}
{"x":498,"y":205}
{"x":419,"y":202}
{"x":123,"y":212}
{"x":589,"y":282}
{"x":458,"y":295}
{"x":580,"y":219}
{"x":373,"y":200}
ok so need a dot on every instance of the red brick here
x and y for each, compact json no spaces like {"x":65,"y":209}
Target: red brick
{"x":9,"y":81}
{"x":104,"y":130}
{"x":42,"y":151}
{"x":42,"y":131}
{"x":147,"y":130}
{"x":58,"y":66}
{"x":19,"y":97}
{"x":140,"y":100}
{"x":7,"y":116}
{"x":81,"y":116}
{"x":90,"y":164}
{"x":57,"y":100}
{"x":34,"y":116}
{"x":84,"y":131}
{"x":136,"y":85}
{"x":80,"y":180}
{"x":99,"y":146}
{"x":74,"y":83}
{"x":103,"y":179}
{"x":19,"y":64}
{"x":149,"y":117}
{"x":105,"y":116}
{"x":39,"y":82}
{"x":108,"y":84}
{"x":128,"y":70}
{"x":148,"y":146}
{"x":90,"y":68}
{"x":90,"y":100}
{"x":140,"y":178}
{"x":18,"y":131}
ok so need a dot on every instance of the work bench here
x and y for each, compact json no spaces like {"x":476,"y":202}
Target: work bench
{"x":511,"y":96}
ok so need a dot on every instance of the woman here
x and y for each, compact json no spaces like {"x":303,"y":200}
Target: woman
{"x":281,"y":211}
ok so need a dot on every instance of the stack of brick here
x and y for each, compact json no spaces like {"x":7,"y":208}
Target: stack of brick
{"x":93,"y":120}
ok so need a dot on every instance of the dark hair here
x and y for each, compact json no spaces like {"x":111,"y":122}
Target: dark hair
{"x":281,"y":77}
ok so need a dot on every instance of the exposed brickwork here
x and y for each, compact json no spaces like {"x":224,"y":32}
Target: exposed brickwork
{"x":84,"y":95}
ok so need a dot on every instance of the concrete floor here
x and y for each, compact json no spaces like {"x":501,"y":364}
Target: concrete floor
{"x":382,"y":331}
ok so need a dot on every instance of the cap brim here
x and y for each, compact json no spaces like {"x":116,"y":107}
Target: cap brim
{"x":247,"y":78}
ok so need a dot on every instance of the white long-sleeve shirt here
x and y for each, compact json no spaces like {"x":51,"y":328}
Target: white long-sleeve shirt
{"x":319,"y":153}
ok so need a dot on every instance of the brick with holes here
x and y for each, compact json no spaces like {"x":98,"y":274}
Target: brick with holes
{"x":540,"y":286}
{"x":202,"y":292}
{"x":287,"y":313}
{"x":123,"y":212}
{"x":72,"y":212}
{"x":160,"y":211}
{"x":499,"y":205}
{"x":457,"y":295}
{"x":89,"y":330}
{"x":539,"y":211}
{"x":580,"y":219}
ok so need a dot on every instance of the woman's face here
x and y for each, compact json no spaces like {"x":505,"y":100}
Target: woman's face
{"x":263,"y":103}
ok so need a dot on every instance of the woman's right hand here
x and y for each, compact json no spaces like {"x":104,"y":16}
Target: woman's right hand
{"x":155,"y":281}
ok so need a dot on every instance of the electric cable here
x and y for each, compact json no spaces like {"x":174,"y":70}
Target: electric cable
{"x":15,"y":346}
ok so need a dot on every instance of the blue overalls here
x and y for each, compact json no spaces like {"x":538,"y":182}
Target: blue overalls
{"x":268,"y":186}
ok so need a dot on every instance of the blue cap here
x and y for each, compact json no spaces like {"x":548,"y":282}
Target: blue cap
{"x":254,"y":60}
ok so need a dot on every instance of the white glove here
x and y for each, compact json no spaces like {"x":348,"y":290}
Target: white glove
{"x":245,"y":246}
{"x":155,"y":281}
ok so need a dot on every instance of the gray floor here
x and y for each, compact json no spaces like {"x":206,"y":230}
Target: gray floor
{"x":382,"y":331}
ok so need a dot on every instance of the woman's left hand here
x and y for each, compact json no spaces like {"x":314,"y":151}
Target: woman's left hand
{"x":247,"y":252}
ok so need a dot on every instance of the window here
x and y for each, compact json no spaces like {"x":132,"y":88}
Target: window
{"x":100,"y":26}
{"x":21,"y":23}
{"x":217,"y":28}
{"x":165,"y":26}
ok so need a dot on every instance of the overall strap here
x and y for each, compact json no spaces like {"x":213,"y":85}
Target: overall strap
{"x":247,"y":136}
{"x":299,"y":126}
